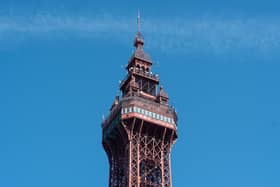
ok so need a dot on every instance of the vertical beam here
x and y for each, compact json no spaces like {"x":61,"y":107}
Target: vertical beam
{"x":132,"y":128}
{"x":162,"y":158}
{"x":111,"y":173}
{"x":170,"y":145}
{"x":130,"y":154}
{"x":138,"y":154}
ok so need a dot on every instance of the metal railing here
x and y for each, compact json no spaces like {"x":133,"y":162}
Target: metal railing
{"x":141,"y":102}
{"x":140,"y":72}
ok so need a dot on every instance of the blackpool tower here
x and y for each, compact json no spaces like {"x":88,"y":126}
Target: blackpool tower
{"x":141,"y":127}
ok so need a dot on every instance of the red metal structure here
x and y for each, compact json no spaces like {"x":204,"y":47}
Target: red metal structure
{"x":141,"y":128}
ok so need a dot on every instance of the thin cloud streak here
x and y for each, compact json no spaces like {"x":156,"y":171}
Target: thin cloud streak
{"x":44,"y":24}
{"x":211,"y":35}
{"x":218,"y":36}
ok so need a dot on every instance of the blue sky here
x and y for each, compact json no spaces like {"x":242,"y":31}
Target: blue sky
{"x":61,"y":61}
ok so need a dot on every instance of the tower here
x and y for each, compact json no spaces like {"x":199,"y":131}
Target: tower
{"x":141,"y":128}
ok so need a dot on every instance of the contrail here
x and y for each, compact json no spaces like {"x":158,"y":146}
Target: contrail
{"x":182,"y":35}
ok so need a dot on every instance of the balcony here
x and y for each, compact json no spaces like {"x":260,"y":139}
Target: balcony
{"x":140,"y":72}
{"x":163,"y":112}
{"x":143,"y":73}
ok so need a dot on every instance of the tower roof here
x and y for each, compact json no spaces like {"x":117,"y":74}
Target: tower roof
{"x":139,"y":52}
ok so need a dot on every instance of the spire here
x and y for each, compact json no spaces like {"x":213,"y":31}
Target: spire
{"x":139,"y":40}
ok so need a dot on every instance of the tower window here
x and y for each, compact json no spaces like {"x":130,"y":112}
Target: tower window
{"x":157,"y":116}
{"x":146,"y":113}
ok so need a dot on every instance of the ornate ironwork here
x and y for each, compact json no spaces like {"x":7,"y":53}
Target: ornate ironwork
{"x":141,"y":128}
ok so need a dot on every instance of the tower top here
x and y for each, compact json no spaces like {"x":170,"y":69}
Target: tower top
{"x":141,"y":128}
{"x":139,"y":40}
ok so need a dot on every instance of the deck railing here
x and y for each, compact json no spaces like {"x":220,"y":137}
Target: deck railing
{"x":141,"y":102}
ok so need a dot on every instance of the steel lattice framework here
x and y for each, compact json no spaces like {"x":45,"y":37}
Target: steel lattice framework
{"x":141,"y":128}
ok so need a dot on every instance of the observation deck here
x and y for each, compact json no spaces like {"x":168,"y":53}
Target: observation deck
{"x":147,"y":110}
